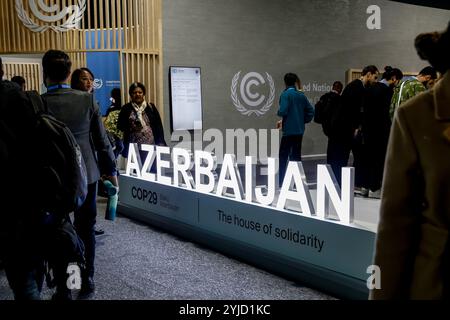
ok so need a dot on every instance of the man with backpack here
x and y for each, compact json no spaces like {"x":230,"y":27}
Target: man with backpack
{"x":20,"y":232}
{"x":79,"y":111}
{"x":329,"y":114}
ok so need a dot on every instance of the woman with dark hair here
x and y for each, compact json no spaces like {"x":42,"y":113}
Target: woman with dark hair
{"x":140,"y":121}
{"x":412,"y":246}
{"x":82,"y":79}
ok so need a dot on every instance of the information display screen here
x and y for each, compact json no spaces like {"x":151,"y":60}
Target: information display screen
{"x":185,"y":98}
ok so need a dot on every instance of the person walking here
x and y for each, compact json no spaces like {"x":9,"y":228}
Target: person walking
{"x":21,"y":227}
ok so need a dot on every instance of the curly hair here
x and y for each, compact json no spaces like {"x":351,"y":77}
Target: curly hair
{"x":435,"y":47}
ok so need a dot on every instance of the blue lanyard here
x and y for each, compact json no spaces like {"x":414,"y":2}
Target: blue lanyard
{"x":58,"y":86}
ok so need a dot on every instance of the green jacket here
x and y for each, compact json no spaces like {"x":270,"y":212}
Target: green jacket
{"x":411,"y":88}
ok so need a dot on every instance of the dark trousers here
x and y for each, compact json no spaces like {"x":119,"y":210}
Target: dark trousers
{"x":290,"y":150}
{"x":24,"y":279}
{"x":118,"y":147}
{"x":338,"y":153}
{"x":359,"y":154}
{"x":84,"y":222}
{"x":374,"y":157}
{"x":22,"y":258}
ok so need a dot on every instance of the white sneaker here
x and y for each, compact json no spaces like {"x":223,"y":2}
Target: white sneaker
{"x":375,"y":194}
{"x":363,"y":192}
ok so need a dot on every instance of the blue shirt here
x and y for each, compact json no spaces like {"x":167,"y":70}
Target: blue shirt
{"x":296,"y":110}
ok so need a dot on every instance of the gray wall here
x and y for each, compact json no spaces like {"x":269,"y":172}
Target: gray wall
{"x":319,"y":40}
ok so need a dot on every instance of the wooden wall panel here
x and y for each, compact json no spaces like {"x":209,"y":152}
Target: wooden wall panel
{"x":30,"y":71}
{"x":131,"y":27}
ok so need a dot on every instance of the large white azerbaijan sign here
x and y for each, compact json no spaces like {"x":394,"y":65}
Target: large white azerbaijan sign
{"x":294,"y":187}
{"x":293,"y":225}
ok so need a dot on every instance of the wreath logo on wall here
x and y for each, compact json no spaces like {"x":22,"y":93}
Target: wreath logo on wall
{"x":257,"y":102}
{"x":75,"y":13}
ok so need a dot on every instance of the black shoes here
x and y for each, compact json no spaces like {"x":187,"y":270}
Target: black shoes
{"x":99,"y":232}
{"x":62,"y":295}
{"x":87,"y":288}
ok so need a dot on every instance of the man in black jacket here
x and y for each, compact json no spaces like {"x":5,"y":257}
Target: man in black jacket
{"x":353,"y":106}
{"x":375,"y":127}
{"x":329,"y":113}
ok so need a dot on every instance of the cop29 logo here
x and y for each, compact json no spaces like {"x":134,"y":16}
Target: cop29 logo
{"x":253,"y":102}
{"x":46,"y":17}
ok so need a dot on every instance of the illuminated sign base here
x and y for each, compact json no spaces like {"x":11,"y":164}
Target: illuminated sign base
{"x":324,"y":254}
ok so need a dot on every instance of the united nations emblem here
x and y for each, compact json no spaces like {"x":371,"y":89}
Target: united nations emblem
{"x":42,"y":22}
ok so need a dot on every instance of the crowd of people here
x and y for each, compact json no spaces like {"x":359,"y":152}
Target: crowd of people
{"x":357,"y":121}
{"x":398,"y":131}
{"x":397,"y":128}
{"x":69,"y":98}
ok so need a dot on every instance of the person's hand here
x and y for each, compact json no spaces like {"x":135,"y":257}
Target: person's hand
{"x":112,"y":179}
{"x":280,"y":124}
{"x":356,"y":133}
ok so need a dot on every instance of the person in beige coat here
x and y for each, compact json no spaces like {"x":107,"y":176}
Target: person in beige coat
{"x":412,"y":245}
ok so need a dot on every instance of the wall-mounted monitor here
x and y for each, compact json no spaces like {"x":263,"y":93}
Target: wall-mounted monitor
{"x":185,"y":88}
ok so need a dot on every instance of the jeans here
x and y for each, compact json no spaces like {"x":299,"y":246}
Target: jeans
{"x":290,"y":150}
{"x":338,"y":153}
{"x":119,"y":147}
{"x":22,"y":258}
{"x":24,"y":280}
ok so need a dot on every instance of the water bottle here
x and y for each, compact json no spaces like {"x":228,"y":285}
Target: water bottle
{"x":113,"y":196}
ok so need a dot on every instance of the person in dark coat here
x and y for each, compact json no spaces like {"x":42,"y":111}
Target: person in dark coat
{"x":352,"y":103}
{"x":330,"y":114}
{"x":375,"y":129}
{"x":140,"y":121}
{"x":21,"y":229}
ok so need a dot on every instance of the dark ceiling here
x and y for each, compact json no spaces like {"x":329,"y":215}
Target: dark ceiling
{"x":442,"y":4}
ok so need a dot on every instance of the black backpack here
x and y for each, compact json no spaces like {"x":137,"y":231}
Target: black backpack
{"x":62,"y":247}
{"x":60,"y":166}
{"x":327,"y":113}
